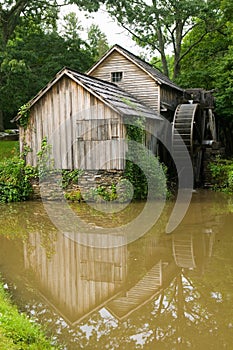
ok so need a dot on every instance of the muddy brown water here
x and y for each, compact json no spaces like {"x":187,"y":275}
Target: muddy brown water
{"x":161,"y":291}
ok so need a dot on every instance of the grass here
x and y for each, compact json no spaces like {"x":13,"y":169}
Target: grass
{"x":8,"y":149}
{"x":17,"y":332}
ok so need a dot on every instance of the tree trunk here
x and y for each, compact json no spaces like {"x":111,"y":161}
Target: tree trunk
{"x":162,"y":50}
{"x":164,"y":63}
{"x":1,"y":121}
{"x":176,"y":69}
{"x":177,"y":48}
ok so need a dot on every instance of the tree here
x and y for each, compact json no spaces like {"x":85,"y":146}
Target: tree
{"x":199,"y":66}
{"x":30,"y":60}
{"x":11,"y":14}
{"x":162,"y":25}
{"x":210,"y":66}
{"x":32,"y":50}
{"x":98,"y":42}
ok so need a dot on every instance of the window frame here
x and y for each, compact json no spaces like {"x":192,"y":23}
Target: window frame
{"x":116,"y":76}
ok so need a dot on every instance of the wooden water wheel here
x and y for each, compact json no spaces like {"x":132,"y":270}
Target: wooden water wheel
{"x":188,"y":124}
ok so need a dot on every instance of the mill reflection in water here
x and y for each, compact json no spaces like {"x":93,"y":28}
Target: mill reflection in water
{"x":77,"y":280}
{"x":165,"y":291}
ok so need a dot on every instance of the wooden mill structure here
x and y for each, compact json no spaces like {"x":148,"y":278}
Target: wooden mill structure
{"x":195,"y":123}
{"x":190,"y":111}
{"x":83,"y":115}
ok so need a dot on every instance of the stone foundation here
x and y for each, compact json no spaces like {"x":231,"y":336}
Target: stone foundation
{"x":88,"y":180}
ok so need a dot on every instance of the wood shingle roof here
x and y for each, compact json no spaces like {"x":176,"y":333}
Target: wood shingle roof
{"x":112,"y":95}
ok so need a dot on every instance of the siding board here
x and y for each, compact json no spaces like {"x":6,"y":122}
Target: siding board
{"x":135,"y":80}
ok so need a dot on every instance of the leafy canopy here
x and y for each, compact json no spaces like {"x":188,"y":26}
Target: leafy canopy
{"x":37,"y":50}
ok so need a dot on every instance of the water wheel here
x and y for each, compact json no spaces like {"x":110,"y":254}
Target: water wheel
{"x":188,"y":124}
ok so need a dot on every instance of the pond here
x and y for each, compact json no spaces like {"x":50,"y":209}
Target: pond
{"x":158,"y":291}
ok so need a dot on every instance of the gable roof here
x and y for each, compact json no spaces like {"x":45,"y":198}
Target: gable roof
{"x":158,"y":76}
{"x":112,"y":95}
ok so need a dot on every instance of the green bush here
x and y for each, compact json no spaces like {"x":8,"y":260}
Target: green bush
{"x":222,"y":175}
{"x":15,"y":178}
{"x":145,"y":172}
{"x":143,"y":169}
{"x":124,"y":190}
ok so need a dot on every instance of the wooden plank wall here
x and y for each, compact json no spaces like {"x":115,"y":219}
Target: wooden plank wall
{"x":170,"y":96}
{"x":76,"y":279}
{"x":85,"y":133}
{"x":151,"y":142}
{"x":135,"y":80}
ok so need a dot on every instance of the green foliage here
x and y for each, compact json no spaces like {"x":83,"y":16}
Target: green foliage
{"x":69,"y":183}
{"x":100,"y":193}
{"x":209,"y":65}
{"x":24,"y":114}
{"x":143,"y":169}
{"x":97,"y":41}
{"x":120,"y":192}
{"x":151,"y":174}
{"x":161,"y":25}
{"x":224,"y":82}
{"x":74,"y":195}
{"x":45,"y":160}
{"x":15,"y":178}
{"x":36,"y":50}
{"x":222,"y":174}
{"x":135,"y":130}
{"x":70,"y":177}
{"x":197,"y":67}
{"x":8,"y":149}
{"x":125,"y":191}
{"x":17,"y":332}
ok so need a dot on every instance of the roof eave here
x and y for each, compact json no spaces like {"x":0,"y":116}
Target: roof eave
{"x":90,"y":70}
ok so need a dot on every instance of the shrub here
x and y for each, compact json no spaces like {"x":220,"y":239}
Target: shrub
{"x":143,"y":169}
{"x":222,"y":174}
{"x":150,"y":174}
{"x":15,"y":178}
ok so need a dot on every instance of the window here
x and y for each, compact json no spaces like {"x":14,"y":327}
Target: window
{"x":116,"y":77}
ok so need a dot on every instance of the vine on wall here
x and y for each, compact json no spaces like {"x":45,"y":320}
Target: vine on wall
{"x":145,"y":169}
{"x":24,"y":114}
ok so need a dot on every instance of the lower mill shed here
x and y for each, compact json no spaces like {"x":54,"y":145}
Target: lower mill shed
{"x":84,"y":120}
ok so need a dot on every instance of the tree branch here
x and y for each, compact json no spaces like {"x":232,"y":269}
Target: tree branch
{"x":155,"y":47}
{"x":197,"y":42}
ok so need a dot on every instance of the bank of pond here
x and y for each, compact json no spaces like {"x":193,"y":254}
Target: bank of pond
{"x":17,"y":331}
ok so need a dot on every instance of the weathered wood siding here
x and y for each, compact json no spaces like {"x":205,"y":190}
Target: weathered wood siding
{"x":170,"y":96}
{"x":83,"y":131}
{"x":150,"y":136}
{"x":135,"y":80}
{"x":76,"y":279}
